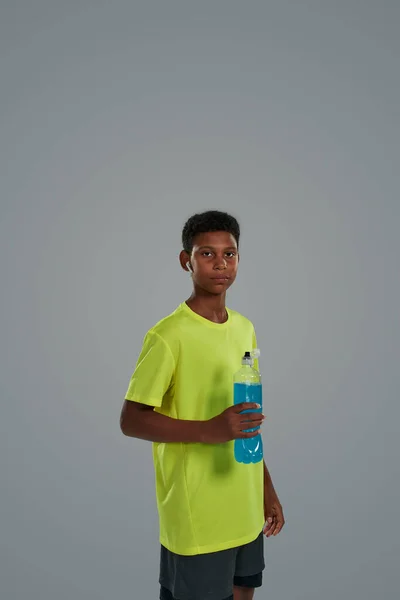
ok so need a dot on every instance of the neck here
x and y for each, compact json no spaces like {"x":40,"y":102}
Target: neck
{"x":210,"y":307}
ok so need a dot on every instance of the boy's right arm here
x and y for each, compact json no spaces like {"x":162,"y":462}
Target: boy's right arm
{"x":141,"y":421}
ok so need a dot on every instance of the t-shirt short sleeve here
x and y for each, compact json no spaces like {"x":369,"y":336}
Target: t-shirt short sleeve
{"x":256,"y":364}
{"x":153,"y":373}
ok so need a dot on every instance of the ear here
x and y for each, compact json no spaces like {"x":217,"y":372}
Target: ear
{"x":183,"y":259}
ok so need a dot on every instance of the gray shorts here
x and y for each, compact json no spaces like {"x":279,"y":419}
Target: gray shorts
{"x":211,"y":576}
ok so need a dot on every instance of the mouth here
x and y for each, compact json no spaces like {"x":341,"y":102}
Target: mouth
{"x":220,"y":279}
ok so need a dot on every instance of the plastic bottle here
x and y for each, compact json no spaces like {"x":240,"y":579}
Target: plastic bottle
{"x":247,"y":387}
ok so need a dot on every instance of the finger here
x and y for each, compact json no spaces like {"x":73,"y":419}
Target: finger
{"x":253,"y":430}
{"x":272,"y":528}
{"x":281,"y":522}
{"x":249,"y":425}
{"x":247,"y":406}
{"x":250,"y":417}
{"x":278,"y":527}
{"x":249,"y":434}
{"x":267,"y":525}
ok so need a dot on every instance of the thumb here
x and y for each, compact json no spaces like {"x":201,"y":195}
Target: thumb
{"x":268,"y":515}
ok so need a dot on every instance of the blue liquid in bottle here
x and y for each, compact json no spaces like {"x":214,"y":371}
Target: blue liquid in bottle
{"x":247,"y":388}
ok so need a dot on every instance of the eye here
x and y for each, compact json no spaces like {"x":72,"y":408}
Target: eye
{"x":206,"y":252}
{"x":232,"y":254}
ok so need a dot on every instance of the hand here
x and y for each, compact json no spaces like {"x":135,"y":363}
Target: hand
{"x":273,"y":513}
{"x":231,"y":424}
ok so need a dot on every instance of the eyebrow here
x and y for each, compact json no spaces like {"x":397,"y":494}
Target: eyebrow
{"x":213,"y":248}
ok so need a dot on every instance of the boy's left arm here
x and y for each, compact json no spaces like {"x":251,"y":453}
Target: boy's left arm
{"x":274,"y":519}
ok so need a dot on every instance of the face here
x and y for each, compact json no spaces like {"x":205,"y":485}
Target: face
{"x":214,"y":260}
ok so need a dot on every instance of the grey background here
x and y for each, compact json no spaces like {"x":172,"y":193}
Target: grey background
{"x":118,"y":121}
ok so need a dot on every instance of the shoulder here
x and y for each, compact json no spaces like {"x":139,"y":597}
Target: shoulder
{"x":240,"y":320}
{"x":167,"y":329}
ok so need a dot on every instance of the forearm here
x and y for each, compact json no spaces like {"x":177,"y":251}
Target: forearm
{"x":155,"y":427}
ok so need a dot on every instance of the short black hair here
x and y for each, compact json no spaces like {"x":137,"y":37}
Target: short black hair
{"x":212,"y":220}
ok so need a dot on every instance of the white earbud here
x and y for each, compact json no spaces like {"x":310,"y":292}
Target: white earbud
{"x":189,"y":267}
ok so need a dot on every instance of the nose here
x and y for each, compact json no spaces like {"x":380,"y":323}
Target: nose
{"x":220,"y":265}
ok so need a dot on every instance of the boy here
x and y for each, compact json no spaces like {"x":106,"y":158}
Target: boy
{"x":213,"y":511}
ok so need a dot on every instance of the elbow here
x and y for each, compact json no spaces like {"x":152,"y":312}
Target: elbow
{"x":122,"y":425}
{"x":125,"y":423}
{"x":131,"y":419}
{"x":125,"y":426}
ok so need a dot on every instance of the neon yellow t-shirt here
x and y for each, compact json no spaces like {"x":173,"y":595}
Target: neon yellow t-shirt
{"x":206,"y":500}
